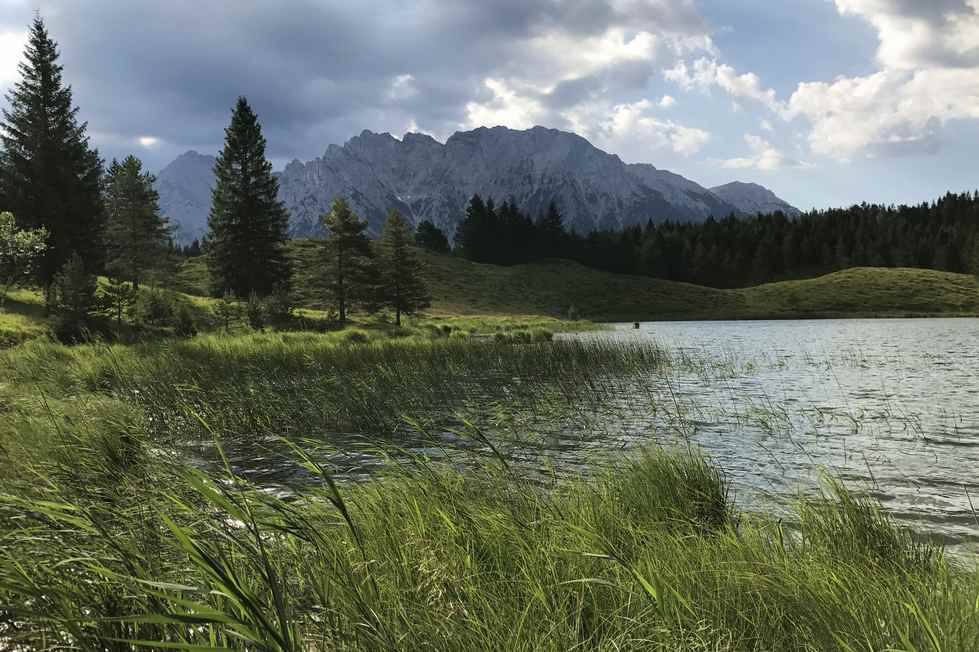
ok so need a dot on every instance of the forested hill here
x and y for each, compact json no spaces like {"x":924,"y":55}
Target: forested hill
{"x":733,"y":252}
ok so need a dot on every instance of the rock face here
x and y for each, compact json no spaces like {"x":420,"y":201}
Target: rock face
{"x":751,"y":199}
{"x":185,"y":194}
{"x":425,"y":179}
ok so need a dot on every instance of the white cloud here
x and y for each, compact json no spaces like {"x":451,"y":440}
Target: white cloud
{"x":632,"y":122}
{"x":766,"y":126}
{"x":707,"y":73}
{"x":11,"y":53}
{"x":765,"y":156}
{"x":402,"y":87}
{"x":667,"y":101}
{"x":929,"y":57}
{"x":507,"y":107}
{"x":147,"y":141}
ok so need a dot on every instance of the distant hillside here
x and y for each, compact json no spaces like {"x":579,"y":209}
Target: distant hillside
{"x":426,"y":179}
{"x":551,"y":287}
{"x":751,"y":199}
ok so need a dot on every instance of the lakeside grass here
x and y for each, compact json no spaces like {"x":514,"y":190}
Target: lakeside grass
{"x":476,"y":299}
{"x":655,"y":556}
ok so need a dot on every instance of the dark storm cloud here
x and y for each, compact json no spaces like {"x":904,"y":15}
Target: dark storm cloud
{"x":316,"y":71}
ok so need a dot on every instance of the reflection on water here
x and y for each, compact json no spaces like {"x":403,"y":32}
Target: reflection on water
{"x":890,"y":406}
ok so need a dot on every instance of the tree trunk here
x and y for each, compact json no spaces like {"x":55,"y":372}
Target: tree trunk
{"x":397,"y":316}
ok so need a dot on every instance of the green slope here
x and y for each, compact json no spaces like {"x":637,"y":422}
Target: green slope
{"x":551,"y":287}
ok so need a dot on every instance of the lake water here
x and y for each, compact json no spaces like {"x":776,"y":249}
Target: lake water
{"x":889,"y":406}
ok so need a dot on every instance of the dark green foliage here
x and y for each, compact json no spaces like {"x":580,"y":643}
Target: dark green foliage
{"x":431,"y":238}
{"x":248,"y":225}
{"x":227,"y":311}
{"x":71,"y":299}
{"x":184,"y":323}
{"x":735,"y":252}
{"x":49,"y":176}
{"x":550,"y":232}
{"x":401,"y":285}
{"x":280,"y":304}
{"x":256,"y":311}
{"x":155,"y":307}
{"x":118,"y":297}
{"x":348,"y":276}
{"x":137,"y":236}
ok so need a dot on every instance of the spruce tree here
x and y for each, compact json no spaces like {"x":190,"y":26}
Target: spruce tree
{"x":49,"y":176}
{"x":401,"y":286}
{"x":550,"y":229}
{"x":349,"y":276}
{"x":137,"y":236}
{"x":431,"y":238}
{"x":248,"y":225}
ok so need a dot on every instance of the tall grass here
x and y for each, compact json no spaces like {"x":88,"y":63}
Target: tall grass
{"x":110,"y":539}
{"x":653,"y":556}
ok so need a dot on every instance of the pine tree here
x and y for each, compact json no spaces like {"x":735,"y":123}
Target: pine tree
{"x":137,"y":236}
{"x":248,"y":225}
{"x":71,"y":299}
{"x":473,"y":233}
{"x":550,"y":229}
{"x":431,"y":238}
{"x":350,"y":274}
{"x":401,"y":284}
{"x":49,"y":176}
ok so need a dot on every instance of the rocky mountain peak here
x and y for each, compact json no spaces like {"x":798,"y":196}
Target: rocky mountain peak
{"x":426,"y":179}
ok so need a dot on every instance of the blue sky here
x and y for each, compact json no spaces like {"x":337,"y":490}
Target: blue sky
{"x":827,"y":102}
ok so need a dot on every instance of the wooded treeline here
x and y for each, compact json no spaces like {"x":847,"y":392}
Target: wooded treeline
{"x":733,"y":252}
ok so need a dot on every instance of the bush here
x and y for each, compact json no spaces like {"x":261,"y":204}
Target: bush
{"x":541,"y":335}
{"x":227,"y":311}
{"x":279,"y":304}
{"x":256,"y":310}
{"x":72,"y":298}
{"x":355,"y":337}
{"x":155,"y":307}
{"x":184,"y":324}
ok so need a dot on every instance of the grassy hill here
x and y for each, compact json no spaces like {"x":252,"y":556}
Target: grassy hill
{"x":549,"y":289}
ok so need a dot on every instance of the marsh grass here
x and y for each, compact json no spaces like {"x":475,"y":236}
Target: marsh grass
{"x":652,"y":556}
{"x":111,"y":540}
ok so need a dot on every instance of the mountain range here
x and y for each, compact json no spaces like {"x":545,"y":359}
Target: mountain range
{"x":426,"y":179}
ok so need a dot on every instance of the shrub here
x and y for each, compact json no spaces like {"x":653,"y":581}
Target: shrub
{"x":541,"y":335}
{"x":227,"y":311}
{"x":71,"y":298}
{"x":256,"y":310}
{"x":155,"y":307}
{"x":355,"y":337}
{"x":184,"y":324}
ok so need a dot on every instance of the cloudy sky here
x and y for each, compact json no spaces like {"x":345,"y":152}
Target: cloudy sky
{"x":828,"y":102}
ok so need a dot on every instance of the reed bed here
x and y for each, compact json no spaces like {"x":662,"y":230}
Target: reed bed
{"x":111,"y":538}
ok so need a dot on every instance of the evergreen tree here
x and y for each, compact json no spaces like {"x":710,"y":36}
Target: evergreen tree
{"x":401,"y":284}
{"x":248,"y":225}
{"x":431,"y":238}
{"x":550,"y":229}
{"x":49,"y":176}
{"x":349,"y":275}
{"x":137,"y":236}
{"x":473,"y":233}
{"x":71,"y":299}
{"x":118,"y":297}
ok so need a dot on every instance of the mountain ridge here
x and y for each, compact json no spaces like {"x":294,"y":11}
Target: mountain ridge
{"x":426,"y":179}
